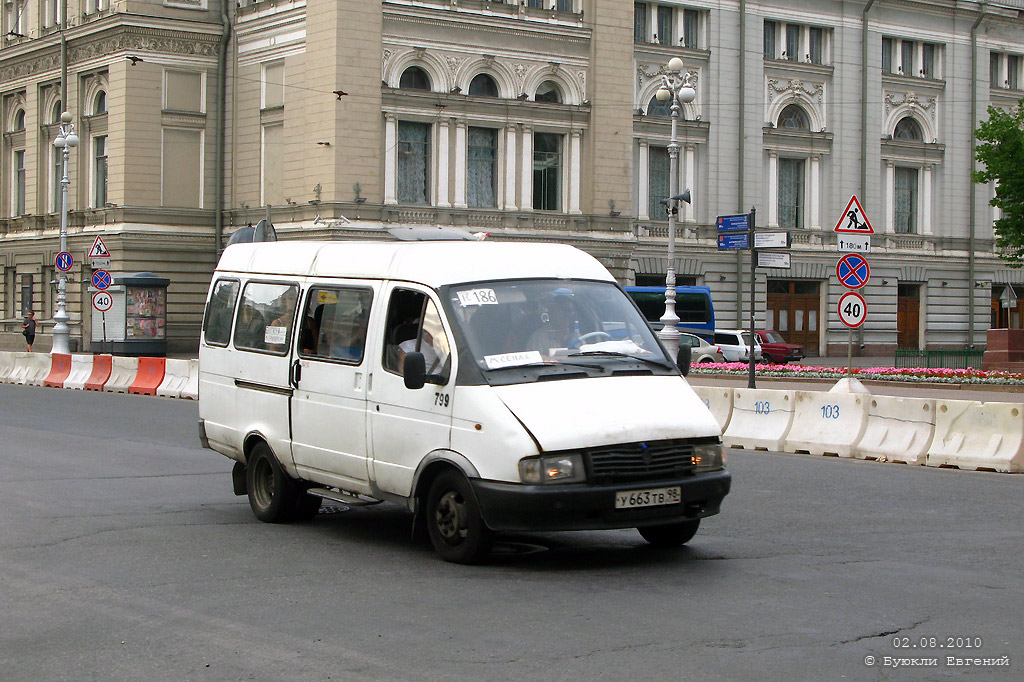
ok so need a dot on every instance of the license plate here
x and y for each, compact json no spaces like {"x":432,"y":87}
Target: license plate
{"x":652,"y":497}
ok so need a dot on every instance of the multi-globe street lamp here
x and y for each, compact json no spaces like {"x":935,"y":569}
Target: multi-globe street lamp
{"x":66,"y":139}
{"x":678,"y":88}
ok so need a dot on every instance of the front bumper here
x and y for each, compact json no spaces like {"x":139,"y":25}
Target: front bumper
{"x":515,"y":507}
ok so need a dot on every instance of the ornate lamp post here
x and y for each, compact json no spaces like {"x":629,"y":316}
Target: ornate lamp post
{"x":66,"y":139}
{"x":677,"y":87}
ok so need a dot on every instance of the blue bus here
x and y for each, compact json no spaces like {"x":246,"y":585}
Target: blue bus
{"x":693,"y":306}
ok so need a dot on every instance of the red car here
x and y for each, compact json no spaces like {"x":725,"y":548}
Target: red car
{"x":775,"y":349}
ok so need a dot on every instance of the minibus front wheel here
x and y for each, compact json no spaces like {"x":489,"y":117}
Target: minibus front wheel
{"x":457,"y":531}
{"x":273,"y":496}
{"x":670,"y":535}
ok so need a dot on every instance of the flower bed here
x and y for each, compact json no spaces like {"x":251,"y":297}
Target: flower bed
{"x":906,"y":374}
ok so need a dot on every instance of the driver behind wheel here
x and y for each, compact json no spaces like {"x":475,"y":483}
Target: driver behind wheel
{"x":559,"y":327}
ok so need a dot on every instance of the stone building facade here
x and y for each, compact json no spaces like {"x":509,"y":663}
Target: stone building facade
{"x":529,"y":120}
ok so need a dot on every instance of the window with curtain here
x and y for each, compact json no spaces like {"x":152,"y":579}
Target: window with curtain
{"x":639,"y":22}
{"x":413,"y":162}
{"x":547,"y":171}
{"x":99,"y":170}
{"x":18,"y":172}
{"x":927,"y":60}
{"x":664,"y":25}
{"x":691,"y":24}
{"x":414,"y":78}
{"x":905,"y":217}
{"x":56,"y":175}
{"x":482,"y":167}
{"x":1012,"y":72}
{"x":907,"y":58}
{"x":816,"y":43}
{"x":792,"y":42}
{"x":657,"y":181}
{"x":886,"y":55}
{"x":791,"y":192}
{"x":770,"y":27}
{"x":994,"y":60}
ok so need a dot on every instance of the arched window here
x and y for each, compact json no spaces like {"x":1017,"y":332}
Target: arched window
{"x":58,"y":109}
{"x":658,"y":108}
{"x":414,"y":78}
{"x":483,"y":85}
{"x":99,"y":104}
{"x":19,"y":120}
{"x":794,"y":117}
{"x":548,"y":91}
{"x":908,"y":129}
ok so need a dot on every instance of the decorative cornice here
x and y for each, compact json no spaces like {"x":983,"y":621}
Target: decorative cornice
{"x":796,"y":86}
{"x":909,"y":98}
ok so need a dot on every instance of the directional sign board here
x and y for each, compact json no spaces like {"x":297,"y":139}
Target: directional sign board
{"x":733,"y":241}
{"x":733,"y":223}
{"x":853,"y":220}
{"x":769,"y":259}
{"x":853,"y":310}
{"x":853,"y":271}
{"x":854,"y":243}
{"x":64,"y":261}
{"x":771,"y":240}
{"x":102,"y":301}
{"x":101,"y":279}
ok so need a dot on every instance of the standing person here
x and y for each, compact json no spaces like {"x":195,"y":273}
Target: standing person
{"x":28,"y":328}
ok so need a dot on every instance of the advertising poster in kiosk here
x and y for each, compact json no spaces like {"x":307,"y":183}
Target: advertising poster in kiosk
{"x":145,"y":312}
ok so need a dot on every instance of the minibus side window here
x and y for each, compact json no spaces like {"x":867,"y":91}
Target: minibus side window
{"x":217,"y":322}
{"x":413,"y":324}
{"x":334,"y":322}
{"x":265,"y":315}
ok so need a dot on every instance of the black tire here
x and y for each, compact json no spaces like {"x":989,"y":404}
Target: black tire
{"x":670,"y":535}
{"x":456,"y":529}
{"x":273,"y":496}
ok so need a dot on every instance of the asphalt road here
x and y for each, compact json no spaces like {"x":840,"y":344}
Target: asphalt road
{"x":124,"y":556}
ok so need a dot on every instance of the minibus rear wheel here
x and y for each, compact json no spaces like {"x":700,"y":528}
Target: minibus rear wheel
{"x":272,"y":494}
{"x":670,"y":535}
{"x":456,"y":529}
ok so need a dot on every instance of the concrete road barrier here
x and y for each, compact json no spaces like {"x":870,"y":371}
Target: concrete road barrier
{"x":760,"y":420}
{"x":60,"y":368}
{"x":175,"y":378}
{"x":81,"y":370}
{"x":101,"y":366}
{"x":122,"y":374}
{"x":898,"y":430}
{"x":975,"y":435}
{"x":191,"y":389}
{"x":38,"y":368}
{"x":148,"y":376}
{"x":6,"y":364}
{"x":827,"y":423}
{"x":718,"y":400}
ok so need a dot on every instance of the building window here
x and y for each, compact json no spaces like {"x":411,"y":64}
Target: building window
{"x":886,"y":55}
{"x":691,"y":29}
{"x":908,"y":129}
{"x":793,"y":117}
{"x":795,"y":37}
{"x":792,"y":52}
{"x":483,"y":86}
{"x":99,"y":103}
{"x":664,"y":25}
{"x":548,"y":91}
{"x":658,"y":181}
{"x":906,"y":58}
{"x":927,"y":61}
{"x":791,"y":192}
{"x":816,"y":45}
{"x":273,"y":84}
{"x":658,"y":108}
{"x":482,"y":168}
{"x":99,"y":171}
{"x":994,"y":62}
{"x":910,"y":58}
{"x":19,"y":121}
{"x":58,"y":109}
{"x":547,"y":171}
{"x":414,"y":78}
{"x":18,"y":173}
{"x":770,"y":27}
{"x":639,"y":22}
{"x":413,"y":162}
{"x":56,"y":175}
{"x":15,"y":18}
{"x":1013,"y":72}
{"x":905,"y":215}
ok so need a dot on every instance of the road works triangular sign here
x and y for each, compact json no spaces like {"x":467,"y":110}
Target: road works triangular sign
{"x":99,"y":249}
{"x":853,"y":219}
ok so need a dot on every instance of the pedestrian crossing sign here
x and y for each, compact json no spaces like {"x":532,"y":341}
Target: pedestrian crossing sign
{"x":99,"y":249}
{"x":853,"y":219}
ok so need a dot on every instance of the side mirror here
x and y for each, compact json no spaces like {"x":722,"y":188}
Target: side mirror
{"x":683,"y":359}
{"x":414,"y":370}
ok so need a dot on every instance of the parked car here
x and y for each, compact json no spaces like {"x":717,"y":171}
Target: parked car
{"x":702,"y":351}
{"x":735,"y":345}
{"x":775,"y":348}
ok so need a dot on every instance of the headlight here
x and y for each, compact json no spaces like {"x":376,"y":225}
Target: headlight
{"x":552,"y":469}
{"x":708,"y":457}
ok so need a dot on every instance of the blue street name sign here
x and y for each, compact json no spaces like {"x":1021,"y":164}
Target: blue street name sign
{"x":733,"y":241}
{"x":733,"y":223}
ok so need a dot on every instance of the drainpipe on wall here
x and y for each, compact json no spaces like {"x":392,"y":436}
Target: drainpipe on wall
{"x":218,"y":164}
{"x":741,"y":131}
{"x":972,"y":196}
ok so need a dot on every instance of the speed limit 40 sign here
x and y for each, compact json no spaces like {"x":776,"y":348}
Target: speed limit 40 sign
{"x":102,"y":301}
{"x":852,"y":309}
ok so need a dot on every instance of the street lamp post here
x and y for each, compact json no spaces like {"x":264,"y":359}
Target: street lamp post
{"x":677,"y":87}
{"x":66,"y":139}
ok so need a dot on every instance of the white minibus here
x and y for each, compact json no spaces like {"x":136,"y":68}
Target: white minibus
{"x":484,"y":386}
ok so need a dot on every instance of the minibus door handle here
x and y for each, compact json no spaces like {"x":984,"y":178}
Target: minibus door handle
{"x":296,"y":374}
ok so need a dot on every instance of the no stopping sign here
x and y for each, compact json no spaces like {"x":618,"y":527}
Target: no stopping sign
{"x":853,"y":310}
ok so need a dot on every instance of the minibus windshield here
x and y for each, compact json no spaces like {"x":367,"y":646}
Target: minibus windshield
{"x":552,"y":322}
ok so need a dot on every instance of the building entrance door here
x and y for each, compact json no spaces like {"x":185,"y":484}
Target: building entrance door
{"x":908,"y":316}
{"x":793,"y":312}
{"x":1007,"y":318}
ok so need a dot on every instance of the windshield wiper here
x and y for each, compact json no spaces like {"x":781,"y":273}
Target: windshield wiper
{"x":549,"y":363}
{"x":616,"y":354}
